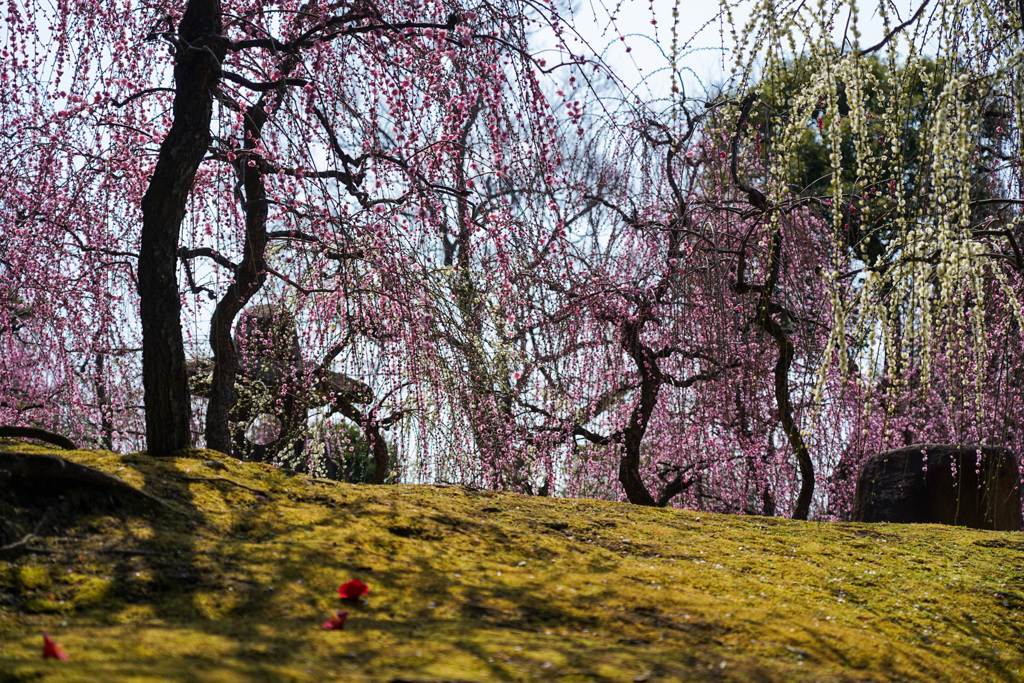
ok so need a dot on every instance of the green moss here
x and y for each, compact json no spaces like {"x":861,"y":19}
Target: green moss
{"x":479,"y":586}
{"x":91,"y":591}
{"x":32,"y":578}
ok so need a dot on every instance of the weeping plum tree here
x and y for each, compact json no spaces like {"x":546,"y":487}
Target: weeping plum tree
{"x":398,"y":48}
{"x":631,"y":293}
{"x":854,"y":343}
{"x":324,"y":133}
{"x":650,"y":352}
{"x":941,"y":262}
{"x":541,"y":283}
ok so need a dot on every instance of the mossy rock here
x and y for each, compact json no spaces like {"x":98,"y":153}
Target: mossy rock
{"x":478,"y":586}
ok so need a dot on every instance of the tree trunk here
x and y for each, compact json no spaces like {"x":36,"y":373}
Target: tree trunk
{"x":249,"y":278}
{"x":782,"y":393}
{"x":371,"y":433}
{"x":196,"y":73}
{"x":789,"y":425}
{"x":633,"y":435}
{"x":381,"y":461}
{"x":632,"y":482}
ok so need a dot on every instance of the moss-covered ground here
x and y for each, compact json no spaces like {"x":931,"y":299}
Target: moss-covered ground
{"x":234,"y":581}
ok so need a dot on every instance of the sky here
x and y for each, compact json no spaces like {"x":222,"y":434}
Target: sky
{"x":646,"y":27}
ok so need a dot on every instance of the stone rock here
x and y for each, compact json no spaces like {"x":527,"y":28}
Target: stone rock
{"x":337,"y":384}
{"x":954,"y":488}
{"x":268,"y":345}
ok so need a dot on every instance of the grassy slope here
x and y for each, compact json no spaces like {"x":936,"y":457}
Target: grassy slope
{"x":478,"y":586}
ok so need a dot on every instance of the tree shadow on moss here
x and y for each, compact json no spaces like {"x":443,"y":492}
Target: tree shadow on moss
{"x":154,"y":556}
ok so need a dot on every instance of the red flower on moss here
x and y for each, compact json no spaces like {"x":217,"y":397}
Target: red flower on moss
{"x":351,"y":591}
{"x":52,"y":650}
{"x":336,"y":622}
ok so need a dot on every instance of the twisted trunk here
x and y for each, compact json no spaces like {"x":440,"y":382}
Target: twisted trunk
{"x":250,"y":274}
{"x":782,"y":394}
{"x":249,"y":278}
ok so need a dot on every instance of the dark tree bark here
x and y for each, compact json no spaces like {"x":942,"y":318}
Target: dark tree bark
{"x":766,"y":309}
{"x":765,"y":320}
{"x":651,"y":380}
{"x":372,"y":431}
{"x":197,"y":71}
{"x":250,"y":275}
{"x":786,"y":413}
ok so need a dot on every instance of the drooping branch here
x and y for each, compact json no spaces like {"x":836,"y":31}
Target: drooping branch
{"x":754,"y":196}
{"x":592,"y":437}
{"x":193,"y":287}
{"x":262,"y":87}
{"x":699,"y":377}
{"x":351,"y":179}
{"x":186,"y":254}
{"x":1018,"y":258}
{"x":335,"y":27}
{"x":11,"y":432}
{"x":143,"y":93}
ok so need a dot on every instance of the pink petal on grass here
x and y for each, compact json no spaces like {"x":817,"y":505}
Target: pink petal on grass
{"x":351,"y":591}
{"x":52,"y":650}
{"x":336,"y":622}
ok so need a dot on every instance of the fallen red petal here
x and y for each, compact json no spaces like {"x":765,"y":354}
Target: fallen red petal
{"x":52,"y":650}
{"x":336,"y":622}
{"x":353,"y":590}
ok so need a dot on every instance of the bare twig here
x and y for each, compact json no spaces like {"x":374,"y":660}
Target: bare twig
{"x":892,"y":33}
{"x":28,"y":537}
